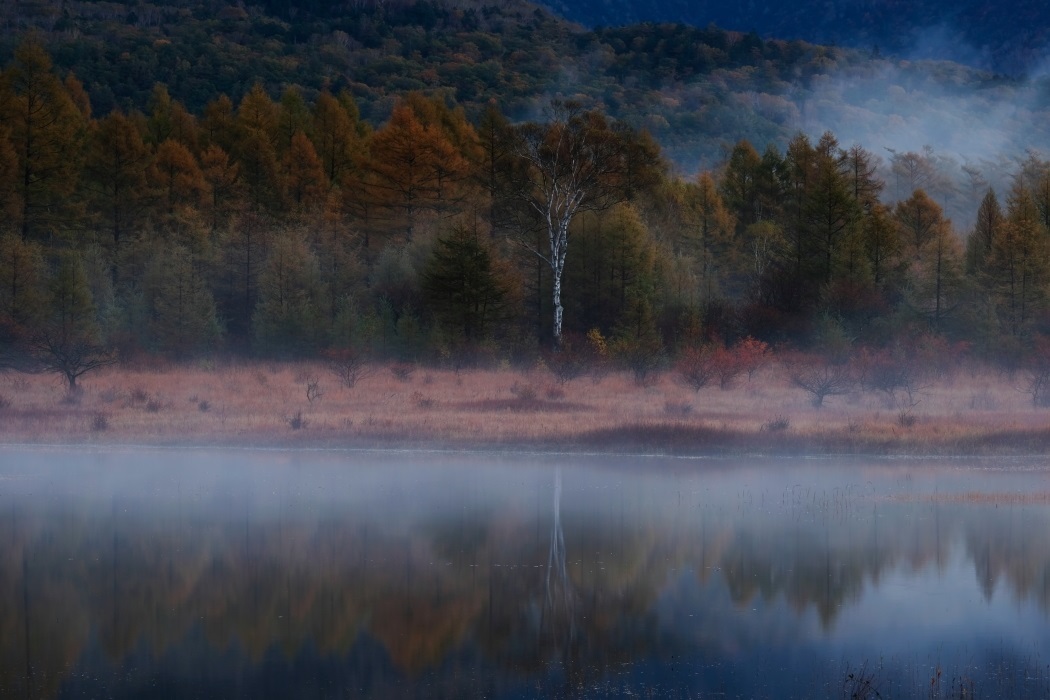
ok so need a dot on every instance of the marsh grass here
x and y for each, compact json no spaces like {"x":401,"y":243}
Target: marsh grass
{"x":252,"y":403}
{"x":1003,"y":498}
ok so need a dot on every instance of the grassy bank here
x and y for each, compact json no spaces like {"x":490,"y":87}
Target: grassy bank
{"x":304,"y":404}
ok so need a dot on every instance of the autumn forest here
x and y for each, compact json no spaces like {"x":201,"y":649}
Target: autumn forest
{"x":286,"y":225}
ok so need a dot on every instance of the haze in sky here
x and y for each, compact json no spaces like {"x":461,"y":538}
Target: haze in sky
{"x":1009,"y":37}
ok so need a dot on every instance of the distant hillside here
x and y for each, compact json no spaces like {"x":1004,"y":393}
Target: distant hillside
{"x":1010,"y":36}
{"x":698,"y":90}
{"x":202,"y":47}
{"x":678,"y":82}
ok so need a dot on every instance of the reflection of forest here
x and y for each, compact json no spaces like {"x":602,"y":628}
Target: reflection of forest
{"x":432,"y":586}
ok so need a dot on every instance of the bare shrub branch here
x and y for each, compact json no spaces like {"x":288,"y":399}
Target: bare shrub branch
{"x":348,"y":364}
{"x":697,"y":367}
{"x":822,"y":378}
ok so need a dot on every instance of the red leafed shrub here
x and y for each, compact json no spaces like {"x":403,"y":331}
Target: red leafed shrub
{"x":727,"y":365}
{"x":752,"y":355}
{"x":699,"y":365}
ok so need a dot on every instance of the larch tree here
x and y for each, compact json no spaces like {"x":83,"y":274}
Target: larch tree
{"x":709,"y":234}
{"x":180,"y":189}
{"x":918,"y":218}
{"x":8,"y":173}
{"x":184,"y":127}
{"x":1017,"y":268}
{"x":293,"y":116}
{"x":45,"y":129}
{"x":799,"y":176}
{"x":985,"y":230}
{"x":22,"y":298}
{"x":630,"y":251}
{"x":451,"y":122}
{"x":303,"y":176}
{"x":287,"y":318}
{"x":341,"y":272}
{"x":412,"y":165}
{"x":219,"y":125}
{"x":257,"y":120}
{"x":115,"y":169}
{"x":22,"y":275}
{"x":643,"y":164}
{"x":739,"y":184}
{"x":78,"y":94}
{"x":495,"y":138}
{"x":160,"y":123}
{"x":830,"y":208}
{"x":177,"y":176}
{"x":245,"y":247}
{"x":335,"y":138}
{"x":882,"y":243}
{"x":939,"y":274}
{"x":613,"y":254}
{"x":222,"y":176}
{"x":183,"y":320}
{"x":1040,"y":188}
{"x":259,"y":171}
{"x":860,"y":168}
{"x":257,"y":112}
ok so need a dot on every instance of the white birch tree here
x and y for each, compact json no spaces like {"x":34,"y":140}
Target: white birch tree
{"x":574,"y":162}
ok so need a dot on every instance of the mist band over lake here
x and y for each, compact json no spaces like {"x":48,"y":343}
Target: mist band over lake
{"x":241,"y":573}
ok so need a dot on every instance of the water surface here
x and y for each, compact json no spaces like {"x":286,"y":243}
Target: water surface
{"x":243,"y":574}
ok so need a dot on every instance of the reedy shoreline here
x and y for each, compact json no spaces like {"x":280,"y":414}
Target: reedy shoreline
{"x":304,"y":405}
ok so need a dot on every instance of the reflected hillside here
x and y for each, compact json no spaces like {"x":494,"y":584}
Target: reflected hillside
{"x":467,"y":578}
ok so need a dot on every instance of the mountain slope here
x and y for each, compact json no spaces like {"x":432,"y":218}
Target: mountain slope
{"x":696,"y":90}
{"x":1011,"y":37}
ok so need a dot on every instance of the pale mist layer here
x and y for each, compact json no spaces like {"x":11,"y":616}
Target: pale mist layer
{"x":972,"y":129}
{"x":974,"y":135}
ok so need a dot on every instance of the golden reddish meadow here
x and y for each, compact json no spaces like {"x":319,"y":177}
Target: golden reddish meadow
{"x":394,"y":405}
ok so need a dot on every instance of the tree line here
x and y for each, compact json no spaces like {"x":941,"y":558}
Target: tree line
{"x":290,"y":228}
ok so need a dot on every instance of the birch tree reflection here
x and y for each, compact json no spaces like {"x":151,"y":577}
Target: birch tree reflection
{"x":557,"y":620}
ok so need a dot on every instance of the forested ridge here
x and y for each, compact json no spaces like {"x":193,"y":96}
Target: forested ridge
{"x":1008,"y":37}
{"x":696,"y":90}
{"x":285,"y":222}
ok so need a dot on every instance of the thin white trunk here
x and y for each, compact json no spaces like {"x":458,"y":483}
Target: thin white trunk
{"x":558,"y":312}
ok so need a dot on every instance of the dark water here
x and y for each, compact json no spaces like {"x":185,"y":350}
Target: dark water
{"x":240,"y":574}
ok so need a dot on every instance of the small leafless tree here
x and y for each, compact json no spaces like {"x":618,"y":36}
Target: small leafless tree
{"x":822,"y":379}
{"x":697,"y":367}
{"x":70,"y":357}
{"x":349,"y":365}
{"x":1039,"y":385}
{"x":567,"y":364}
{"x":402,"y":371}
{"x":313,"y":389}
{"x":900,"y":378}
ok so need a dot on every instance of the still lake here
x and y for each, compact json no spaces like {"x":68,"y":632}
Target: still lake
{"x":133,"y":573}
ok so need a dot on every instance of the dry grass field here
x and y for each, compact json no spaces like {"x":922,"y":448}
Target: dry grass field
{"x":976,"y":411}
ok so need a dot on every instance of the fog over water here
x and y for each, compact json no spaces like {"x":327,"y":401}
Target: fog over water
{"x":260,"y":574}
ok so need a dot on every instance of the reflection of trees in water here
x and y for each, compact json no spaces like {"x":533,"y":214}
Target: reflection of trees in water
{"x":826,"y":562}
{"x":525,"y":586}
{"x":1011,"y":547}
{"x":558,"y":603}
